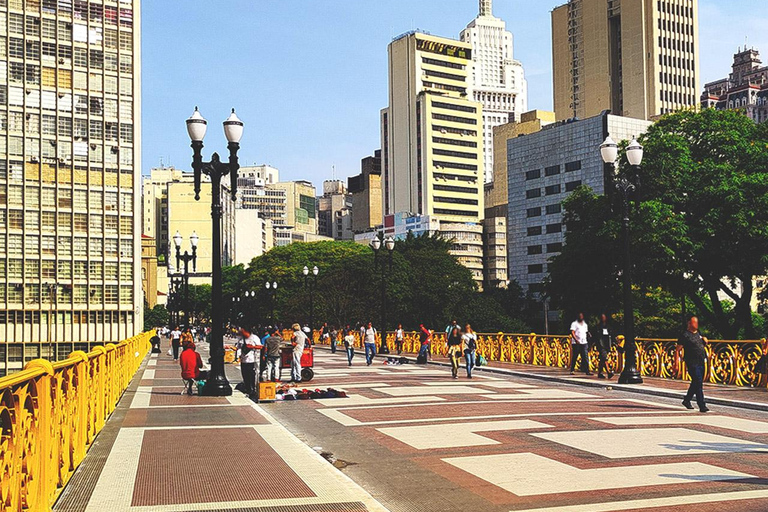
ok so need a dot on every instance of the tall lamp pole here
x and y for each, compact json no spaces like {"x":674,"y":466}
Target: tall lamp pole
{"x":383,"y":268}
{"x":626,"y":187}
{"x":310,"y":284}
{"x":217,"y":384}
{"x":272,"y":290}
{"x":186,"y":258}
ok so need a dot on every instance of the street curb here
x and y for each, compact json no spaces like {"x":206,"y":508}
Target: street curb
{"x":677,"y":395}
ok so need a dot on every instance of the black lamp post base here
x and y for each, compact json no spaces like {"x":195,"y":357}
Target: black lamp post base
{"x":384,"y":349}
{"x":630,"y":375}
{"x":217,"y":386}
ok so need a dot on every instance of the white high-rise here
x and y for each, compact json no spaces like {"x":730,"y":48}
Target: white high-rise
{"x":497,"y":79}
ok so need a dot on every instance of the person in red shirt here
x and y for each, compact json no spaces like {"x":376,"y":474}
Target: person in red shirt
{"x":191,"y":363}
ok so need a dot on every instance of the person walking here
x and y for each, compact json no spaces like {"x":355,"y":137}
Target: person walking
{"x":175,"y":342}
{"x":580,"y":344}
{"x":469,"y":340}
{"x":349,"y":344}
{"x":695,"y":357}
{"x":334,"y":338}
{"x":249,"y":346}
{"x":299,"y":341}
{"x":454,"y":351}
{"x":425,"y":338}
{"x":399,"y":338}
{"x":190,"y":363}
{"x":449,"y":328}
{"x":272,"y":350}
{"x":369,"y":342}
{"x":604,"y":338}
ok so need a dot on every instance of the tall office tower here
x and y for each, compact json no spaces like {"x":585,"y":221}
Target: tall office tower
{"x":432,"y":144}
{"x":301,"y":205}
{"x":70,"y":228}
{"x":636,"y":58}
{"x":255,"y":192}
{"x":497,"y":79}
{"x":154,"y":192}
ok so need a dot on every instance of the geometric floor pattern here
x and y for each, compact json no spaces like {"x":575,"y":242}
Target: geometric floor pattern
{"x":499,"y":443}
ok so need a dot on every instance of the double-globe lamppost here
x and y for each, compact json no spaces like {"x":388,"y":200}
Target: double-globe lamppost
{"x":626,"y":188}
{"x":310,"y":285}
{"x":272,"y":291}
{"x":217,"y":384}
{"x":388,"y":244}
{"x":186,"y":258}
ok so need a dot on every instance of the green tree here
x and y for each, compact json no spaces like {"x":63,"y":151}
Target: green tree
{"x":700,"y":226}
{"x":155,"y":317}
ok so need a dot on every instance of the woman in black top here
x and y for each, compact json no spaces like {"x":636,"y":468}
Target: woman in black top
{"x":604,"y":338}
{"x":454,"y":350}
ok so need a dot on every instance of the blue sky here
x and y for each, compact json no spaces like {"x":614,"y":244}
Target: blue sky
{"x":308,"y":77}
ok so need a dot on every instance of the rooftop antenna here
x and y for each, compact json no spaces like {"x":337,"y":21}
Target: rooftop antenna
{"x":333,"y":172}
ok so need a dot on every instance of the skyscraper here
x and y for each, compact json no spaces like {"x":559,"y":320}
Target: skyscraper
{"x":70,"y":223}
{"x":637,"y":58}
{"x":497,"y":79}
{"x":432,"y":146}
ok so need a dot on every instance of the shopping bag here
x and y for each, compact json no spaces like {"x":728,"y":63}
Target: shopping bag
{"x":482,"y":361}
{"x":170,"y":351}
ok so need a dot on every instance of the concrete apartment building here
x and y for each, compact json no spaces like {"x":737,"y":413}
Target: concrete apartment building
{"x":745,"y":88}
{"x":255,"y":191}
{"x":432,"y":144}
{"x":497,"y":79}
{"x":636,"y":58}
{"x":334,"y":211}
{"x":365,"y":191}
{"x":543,"y":169}
{"x":495,"y":248}
{"x":301,"y":205}
{"x":70,"y":182}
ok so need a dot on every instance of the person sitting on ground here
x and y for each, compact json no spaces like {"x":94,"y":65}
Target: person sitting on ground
{"x":190,"y":363}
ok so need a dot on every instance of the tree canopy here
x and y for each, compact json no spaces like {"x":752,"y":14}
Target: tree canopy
{"x":699,"y":226}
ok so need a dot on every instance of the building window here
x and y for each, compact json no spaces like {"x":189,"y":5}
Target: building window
{"x":534,"y":249}
{"x":553,"y":189}
{"x":552,"y":170}
{"x":534,"y":212}
{"x":572,"y":185}
{"x":532,"y":175}
{"x":554,"y":208}
{"x":573,"y":166}
{"x":554,"y":228}
{"x":536,"y":269}
{"x":534,"y":230}
{"x":533,"y":193}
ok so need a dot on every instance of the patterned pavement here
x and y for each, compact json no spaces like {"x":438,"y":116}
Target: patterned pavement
{"x":418,"y":440}
{"x":167,"y":452}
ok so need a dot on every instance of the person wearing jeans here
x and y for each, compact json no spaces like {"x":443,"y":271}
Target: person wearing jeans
{"x":580,"y":344}
{"x":695,"y":356}
{"x":272,"y":350}
{"x":469,"y":340}
{"x":369,"y":341}
{"x":426,"y":341}
{"x":454,"y":351}
{"x":349,"y":344}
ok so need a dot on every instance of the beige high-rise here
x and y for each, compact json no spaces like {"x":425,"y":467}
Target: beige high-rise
{"x":70,"y":177}
{"x":636,"y":58}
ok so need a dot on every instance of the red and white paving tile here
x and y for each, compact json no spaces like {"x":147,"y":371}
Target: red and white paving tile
{"x":416,"y":439}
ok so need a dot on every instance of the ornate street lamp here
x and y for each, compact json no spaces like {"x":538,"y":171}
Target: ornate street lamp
{"x":186,"y":258}
{"x":217,"y":384}
{"x":272,"y":290}
{"x":609,"y":151}
{"x":383,"y":268}
{"x":310,"y":285}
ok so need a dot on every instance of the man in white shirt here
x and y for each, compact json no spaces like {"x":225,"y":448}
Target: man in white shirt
{"x":580,"y":344}
{"x":369,"y":342}
{"x":249,"y":346}
{"x":299,"y":341}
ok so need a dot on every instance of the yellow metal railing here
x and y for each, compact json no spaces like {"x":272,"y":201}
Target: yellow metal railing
{"x":729,"y":362}
{"x":50,"y":413}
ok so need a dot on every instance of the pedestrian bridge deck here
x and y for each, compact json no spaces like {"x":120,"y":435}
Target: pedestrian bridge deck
{"x":163,"y":451}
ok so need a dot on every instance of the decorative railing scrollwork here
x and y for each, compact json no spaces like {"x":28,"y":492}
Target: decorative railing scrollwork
{"x":730,"y":362}
{"x":50,"y":413}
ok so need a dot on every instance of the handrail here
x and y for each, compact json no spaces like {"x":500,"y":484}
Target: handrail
{"x":731,"y":362}
{"x":50,"y":414}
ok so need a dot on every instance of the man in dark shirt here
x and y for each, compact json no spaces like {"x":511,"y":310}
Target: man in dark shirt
{"x":695,"y":356}
{"x":272,"y":348}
